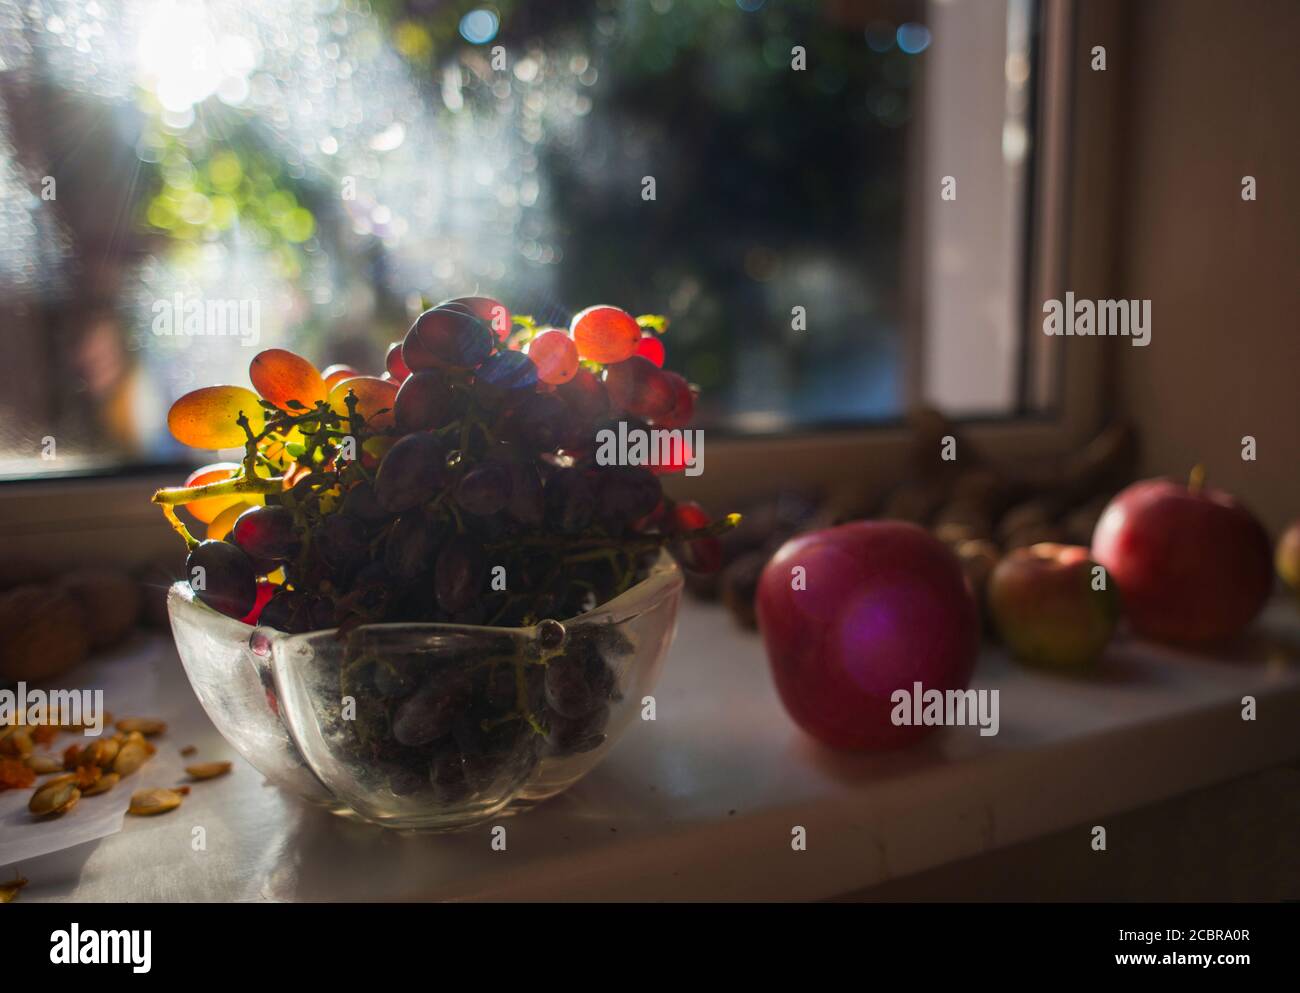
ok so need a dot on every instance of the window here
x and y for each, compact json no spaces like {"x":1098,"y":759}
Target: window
{"x":303,"y":173}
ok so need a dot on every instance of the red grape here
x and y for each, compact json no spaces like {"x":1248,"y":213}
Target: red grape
{"x":586,"y":396}
{"x":605,"y":334}
{"x":414,"y":355}
{"x":651,"y":348}
{"x":702,"y":554}
{"x":264,"y":593}
{"x":683,"y":406}
{"x":555,"y":355}
{"x":395,"y":364}
{"x":637,"y":386}
{"x":267,"y":533}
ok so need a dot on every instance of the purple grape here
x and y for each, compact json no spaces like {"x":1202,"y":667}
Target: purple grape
{"x":508,"y":371}
{"x":423,"y":402}
{"x":568,"y":691}
{"x":433,"y":709}
{"x":539,"y":422}
{"x":361,"y":504}
{"x":572,"y":735}
{"x":341,"y":542}
{"x":453,"y":338}
{"x":410,"y":546}
{"x":447,"y":775}
{"x":411,"y":473}
{"x":459,"y":574}
{"x":526,"y":503}
{"x":570,"y":504}
{"x":221,"y":575}
{"x":626,"y":494}
{"x":485,"y":489}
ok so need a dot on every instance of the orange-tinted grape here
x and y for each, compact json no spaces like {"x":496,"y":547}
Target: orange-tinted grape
{"x":280,"y":376}
{"x":651,"y":348}
{"x":491,"y":312}
{"x":335,"y":374}
{"x":221,"y":525}
{"x":605,"y":334}
{"x":555,"y":355}
{"x":373,"y":395}
{"x":207,"y":509}
{"x":205,"y":418}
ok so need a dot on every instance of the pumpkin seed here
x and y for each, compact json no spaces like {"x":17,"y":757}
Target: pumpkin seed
{"x":43,"y":765}
{"x":108,"y":752}
{"x":100,"y":752}
{"x":146,"y":803}
{"x":102,"y":785}
{"x":18,"y":743}
{"x":207,"y":770}
{"x":147,"y":726}
{"x":130,"y":757}
{"x":54,"y":797}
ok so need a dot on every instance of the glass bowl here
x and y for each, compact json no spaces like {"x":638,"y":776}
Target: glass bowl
{"x":429,"y":726}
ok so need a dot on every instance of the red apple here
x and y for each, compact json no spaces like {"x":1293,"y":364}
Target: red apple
{"x":1288,"y":556}
{"x":1191,"y":563}
{"x":883,"y":605}
{"x":1048,"y":608}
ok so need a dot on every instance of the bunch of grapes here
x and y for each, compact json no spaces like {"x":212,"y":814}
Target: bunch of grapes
{"x":460,"y":485}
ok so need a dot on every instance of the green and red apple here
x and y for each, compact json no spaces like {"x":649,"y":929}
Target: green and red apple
{"x":1191,"y":562}
{"x":1287,"y":558}
{"x":1053,"y":606}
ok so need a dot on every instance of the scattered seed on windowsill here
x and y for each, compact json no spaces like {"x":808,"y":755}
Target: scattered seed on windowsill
{"x":147,"y":803}
{"x":43,"y":765}
{"x":102,"y":785}
{"x":207,"y":770}
{"x":189,"y":750}
{"x":130,"y":757}
{"x":9,"y":890}
{"x":55,"y":797}
{"x":147,"y":726}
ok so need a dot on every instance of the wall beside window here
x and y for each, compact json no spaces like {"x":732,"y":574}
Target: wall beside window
{"x":1212,"y":99}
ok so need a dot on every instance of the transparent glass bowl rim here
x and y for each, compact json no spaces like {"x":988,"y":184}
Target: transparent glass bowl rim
{"x":663,"y":580}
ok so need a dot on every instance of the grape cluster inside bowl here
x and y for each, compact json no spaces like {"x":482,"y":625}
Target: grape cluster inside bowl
{"x":430,"y":726}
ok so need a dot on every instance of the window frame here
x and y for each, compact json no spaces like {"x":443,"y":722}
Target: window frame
{"x":63,"y":523}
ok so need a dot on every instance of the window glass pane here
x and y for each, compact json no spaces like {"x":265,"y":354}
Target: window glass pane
{"x":182,"y":184}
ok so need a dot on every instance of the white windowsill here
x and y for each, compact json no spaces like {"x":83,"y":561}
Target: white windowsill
{"x":699,"y":805}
